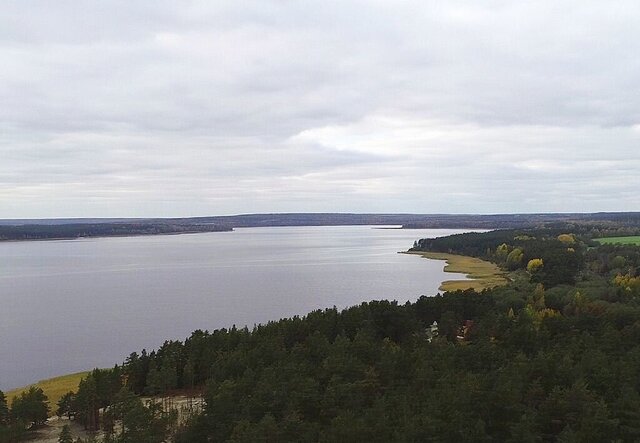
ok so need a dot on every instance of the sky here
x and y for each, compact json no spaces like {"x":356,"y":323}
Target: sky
{"x":158,"y":108}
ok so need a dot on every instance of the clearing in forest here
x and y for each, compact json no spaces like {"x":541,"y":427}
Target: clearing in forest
{"x":633,"y":240}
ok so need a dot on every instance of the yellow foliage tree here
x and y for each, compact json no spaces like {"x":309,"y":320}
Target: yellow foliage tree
{"x":535,"y":265}
{"x":568,"y":239}
{"x":502,"y":251}
{"x":514,"y":258}
{"x":538,"y":300}
{"x":537,"y":317}
{"x":628,"y":283}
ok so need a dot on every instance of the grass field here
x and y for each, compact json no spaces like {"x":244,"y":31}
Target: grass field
{"x":635,"y":240}
{"x":54,"y":388}
{"x":483,"y":274}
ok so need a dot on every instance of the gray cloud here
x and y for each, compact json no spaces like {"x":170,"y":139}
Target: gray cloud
{"x":160,"y":108}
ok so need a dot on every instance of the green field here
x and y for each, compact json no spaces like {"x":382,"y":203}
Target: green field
{"x":635,"y":240}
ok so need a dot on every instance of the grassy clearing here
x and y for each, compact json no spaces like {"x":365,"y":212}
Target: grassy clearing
{"x":483,"y":274}
{"x":54,"y":388}
{"x":635,"y":240}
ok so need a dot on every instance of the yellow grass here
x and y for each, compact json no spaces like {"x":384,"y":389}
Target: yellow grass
{"x":483,"y":274}
{"x":54,"y":388}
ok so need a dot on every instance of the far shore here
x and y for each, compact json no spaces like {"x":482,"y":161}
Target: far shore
{"x":87,"y":237}
{"x":481,"y":274}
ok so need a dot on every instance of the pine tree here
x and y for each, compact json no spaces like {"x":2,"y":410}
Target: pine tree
{"x":4,"y":410}
{"x":31,"y":406}
{"x":65,"y":435}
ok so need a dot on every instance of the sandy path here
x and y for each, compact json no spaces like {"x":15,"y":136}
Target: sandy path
{"x":50,"y":432}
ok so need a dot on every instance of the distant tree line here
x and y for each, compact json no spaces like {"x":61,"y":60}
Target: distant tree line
{"x":601,"y":224}
{"x":592,"y":225}
{"x":71,"y":231}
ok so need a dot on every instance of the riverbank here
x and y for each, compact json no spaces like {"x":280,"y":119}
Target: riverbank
{"x":481,"y":274}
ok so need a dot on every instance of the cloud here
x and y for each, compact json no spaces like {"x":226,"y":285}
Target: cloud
{"x":166,"y":109}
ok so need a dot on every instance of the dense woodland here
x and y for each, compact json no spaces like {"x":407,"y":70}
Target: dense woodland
{"x":552,"y":356}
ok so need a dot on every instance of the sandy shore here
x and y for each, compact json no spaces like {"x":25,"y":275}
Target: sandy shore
{"x":481,"y":274}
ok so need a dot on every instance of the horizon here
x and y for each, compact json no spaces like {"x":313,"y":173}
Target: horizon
{"x":253,"y":214}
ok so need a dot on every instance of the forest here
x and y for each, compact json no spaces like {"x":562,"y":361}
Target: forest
{"x":554,"y":355}
{"x":81,"y":230}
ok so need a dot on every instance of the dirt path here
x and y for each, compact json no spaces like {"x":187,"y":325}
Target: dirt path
{"x":49,"y":433}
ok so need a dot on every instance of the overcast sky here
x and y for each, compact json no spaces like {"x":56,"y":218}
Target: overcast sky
{"x":178,"y":108}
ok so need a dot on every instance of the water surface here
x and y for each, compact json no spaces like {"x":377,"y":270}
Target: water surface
{"x":67,"y":306}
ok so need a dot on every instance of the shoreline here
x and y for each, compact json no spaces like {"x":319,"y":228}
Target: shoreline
{"x":111,"y":236}
{"x":481,"y":273}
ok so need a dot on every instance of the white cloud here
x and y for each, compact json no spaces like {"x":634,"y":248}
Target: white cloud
{"x":161,"y":108}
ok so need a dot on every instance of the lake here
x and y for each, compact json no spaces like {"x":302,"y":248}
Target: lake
{"x":67,"y":306}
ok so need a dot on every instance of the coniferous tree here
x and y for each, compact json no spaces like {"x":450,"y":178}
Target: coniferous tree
{"x":31,"y":406}
{"x":4,"y":410}
{"x":65,"y":435}
{"x":66,"y":405}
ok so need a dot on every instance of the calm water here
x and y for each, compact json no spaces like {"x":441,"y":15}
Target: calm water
{"x":73,"y":305}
